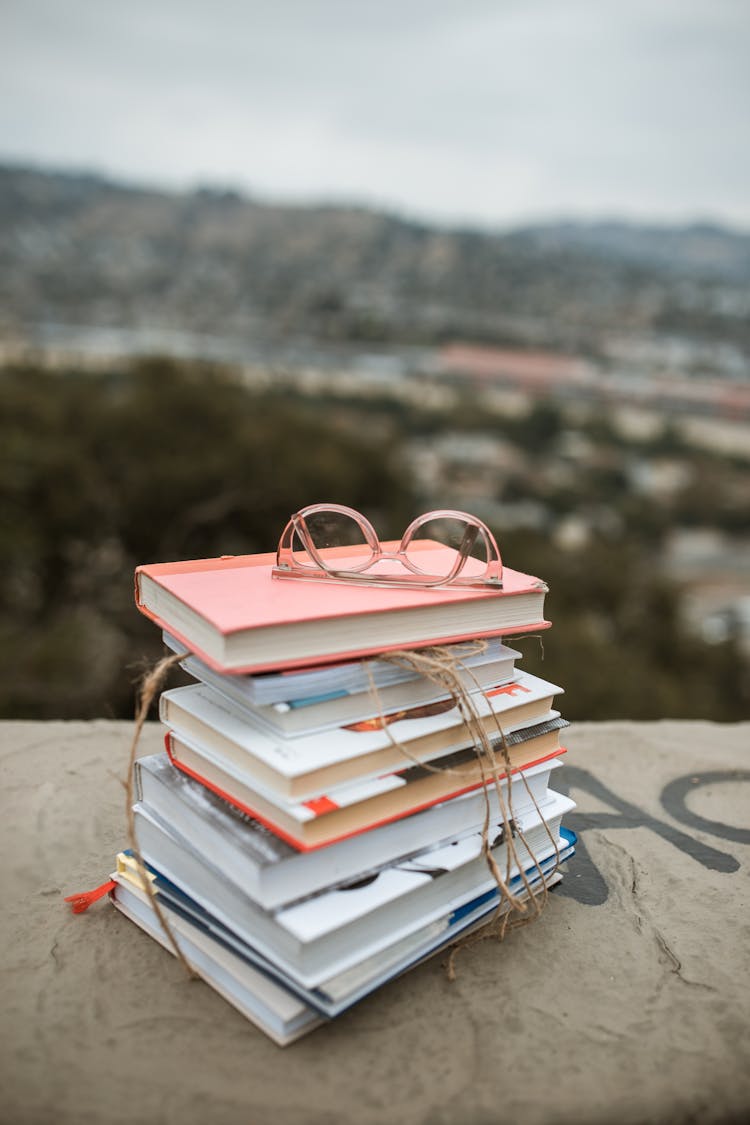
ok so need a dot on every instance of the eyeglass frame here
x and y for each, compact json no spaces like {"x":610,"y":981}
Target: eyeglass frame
{"x":288,"y":567}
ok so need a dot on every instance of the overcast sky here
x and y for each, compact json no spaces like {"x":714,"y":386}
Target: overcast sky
{"x":479,"y":111}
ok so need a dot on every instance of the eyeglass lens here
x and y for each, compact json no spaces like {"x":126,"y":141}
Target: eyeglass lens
{"x":451,"y":532}
{"x":329,"y":529}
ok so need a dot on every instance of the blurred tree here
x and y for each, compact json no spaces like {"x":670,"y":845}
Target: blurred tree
{"x":167,"y":461}
{"x":540,"y":428}
{"x":617,"y":644}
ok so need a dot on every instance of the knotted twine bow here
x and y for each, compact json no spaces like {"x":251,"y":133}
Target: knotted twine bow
{"x":443,"y":668}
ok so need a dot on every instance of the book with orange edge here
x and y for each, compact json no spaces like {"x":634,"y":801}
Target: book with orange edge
{"x":317,"y":824}
{"x":237,"y":617}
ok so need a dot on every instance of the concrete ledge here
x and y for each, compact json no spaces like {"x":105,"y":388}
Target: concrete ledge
{"x":627,"y":1002}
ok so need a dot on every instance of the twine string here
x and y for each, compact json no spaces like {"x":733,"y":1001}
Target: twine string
{"x":150,"y":685}
{"x":445,"y":669}
{"x":440,"y":666}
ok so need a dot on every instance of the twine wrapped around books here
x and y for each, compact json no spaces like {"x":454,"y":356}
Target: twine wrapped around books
{"x":149,"y":687}
{"x":444,"y":668}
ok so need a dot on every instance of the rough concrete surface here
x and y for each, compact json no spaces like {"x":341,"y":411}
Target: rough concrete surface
{"x":628,"y":1001}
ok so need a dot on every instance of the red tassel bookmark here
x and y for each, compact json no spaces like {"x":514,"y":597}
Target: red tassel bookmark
{"x":83,"y":901}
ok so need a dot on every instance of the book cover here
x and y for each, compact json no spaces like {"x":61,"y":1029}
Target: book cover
{"x":236,"y":616}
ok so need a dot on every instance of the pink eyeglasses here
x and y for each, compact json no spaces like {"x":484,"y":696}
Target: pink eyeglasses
{"x":440,"y":548}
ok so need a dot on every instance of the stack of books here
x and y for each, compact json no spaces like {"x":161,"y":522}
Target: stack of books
{"x":316,"y":824}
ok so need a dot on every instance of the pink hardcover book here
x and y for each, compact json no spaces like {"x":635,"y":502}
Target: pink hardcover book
{"x":237,"y":617}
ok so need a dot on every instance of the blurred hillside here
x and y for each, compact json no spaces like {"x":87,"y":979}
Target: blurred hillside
{"x":161,"y":462}
{"x":79,"y":250}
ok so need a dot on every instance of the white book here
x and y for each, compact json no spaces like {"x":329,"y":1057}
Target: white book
{"x":272,"y":871}
{"x":308,"y":948}
{"x":310,"y":765}
{"x":395,"y":891}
